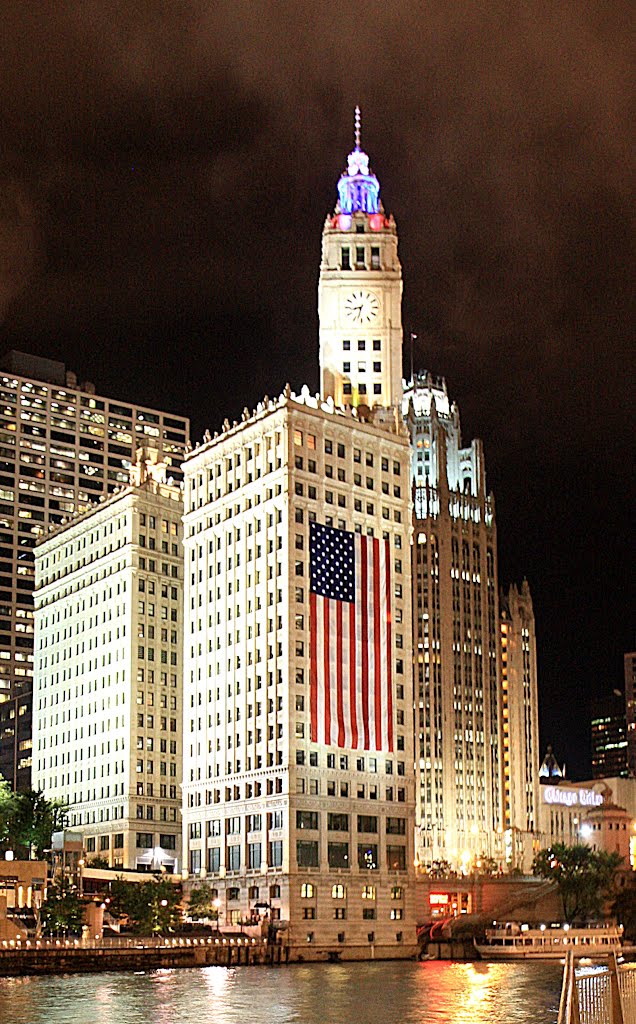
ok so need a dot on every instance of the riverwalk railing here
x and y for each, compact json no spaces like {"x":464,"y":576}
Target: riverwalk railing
{"x":598,"y":994}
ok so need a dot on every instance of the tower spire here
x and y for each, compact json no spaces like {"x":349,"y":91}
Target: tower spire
{"x":357,"y":127}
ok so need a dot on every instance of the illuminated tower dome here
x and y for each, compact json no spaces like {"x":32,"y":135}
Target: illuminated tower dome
{"x":360,"y":293}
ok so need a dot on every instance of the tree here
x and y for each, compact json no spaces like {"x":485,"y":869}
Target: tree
{"x":624,"y":909}
{"x":63,"y":909}
{"x":28,"y":820}
{"x":151,"y":907}
{"x":584,"y":877}
{"x":6,"y":803}
{"x":201,"y":902}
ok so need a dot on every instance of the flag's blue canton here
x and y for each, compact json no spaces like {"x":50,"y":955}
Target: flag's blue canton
{"x":332,"y":563}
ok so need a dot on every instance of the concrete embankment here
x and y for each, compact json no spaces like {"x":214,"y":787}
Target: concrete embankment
{"x":68,"y":959}
{"x":449,"y":949}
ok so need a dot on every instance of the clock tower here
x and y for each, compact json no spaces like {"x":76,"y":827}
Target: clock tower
{"x":360,"y":293}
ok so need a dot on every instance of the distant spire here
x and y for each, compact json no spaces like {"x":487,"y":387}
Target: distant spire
{"x":358,"y":188}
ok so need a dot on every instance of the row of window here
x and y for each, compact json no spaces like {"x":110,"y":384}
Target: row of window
{"x":360,"y":258}
{"x":336,"y":822}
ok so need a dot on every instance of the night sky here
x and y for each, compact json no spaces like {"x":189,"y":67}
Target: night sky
{"x":165,"y":172}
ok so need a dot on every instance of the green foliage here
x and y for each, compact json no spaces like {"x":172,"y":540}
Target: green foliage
{"x":63,"y":910}
{"x":150,"y":907}
{"x":201,"y":902}
{"x":97,"y":862}
{"x":28,"y":820}
{"x":6,"y":798}
{"x":585,"y":877}
{"x":486,"y":866}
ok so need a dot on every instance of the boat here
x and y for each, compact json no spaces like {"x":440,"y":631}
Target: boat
{"x":513,"y":941}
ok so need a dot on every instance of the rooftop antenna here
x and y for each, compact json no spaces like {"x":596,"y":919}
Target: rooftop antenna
{"x":357,"y":127}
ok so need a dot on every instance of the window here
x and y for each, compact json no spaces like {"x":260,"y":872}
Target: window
{"x":345,"y":258}
{"x":375,"y":257}
{"x":367,"y":823}
{"x":309,"y":913}
{"x":307,"y":819}
{"x":368,"y":892}
{"x":145,"y":841}
{"x":396,"y":826}
{"x":368,"y":856}
{"x":233,"y":858}
{"x":359,"y":256}
{"x":214,"y":859}
{"x":307,"y":854}
{"x":234,"y":893}
{"x":338,"y":855}
{"x":307,"y":891}
{"x":254,"y":855}
{"x":338,"y":822}
{"x":396,"y":892}
{"x":340,"y":913}
{"x":338,"y":892}
{"x":368,"y":913}
{"x":397,"y":913}
{"x":346,"y":346}
{"x":396,"y":858}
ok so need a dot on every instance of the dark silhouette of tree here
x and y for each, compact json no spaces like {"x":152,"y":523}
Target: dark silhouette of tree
{"x":584,"y":877}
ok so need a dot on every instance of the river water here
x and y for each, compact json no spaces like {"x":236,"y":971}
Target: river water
{"x":433,"y":992}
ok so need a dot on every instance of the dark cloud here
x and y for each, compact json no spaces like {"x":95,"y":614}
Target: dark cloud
{"x":165,"y":174}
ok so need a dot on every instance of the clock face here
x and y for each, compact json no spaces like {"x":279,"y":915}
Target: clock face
{"x":361,"y":307}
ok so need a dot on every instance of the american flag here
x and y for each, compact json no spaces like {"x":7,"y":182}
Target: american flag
{"x":350,"y":640}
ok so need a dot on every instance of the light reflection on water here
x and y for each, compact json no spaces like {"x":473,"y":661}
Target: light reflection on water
{"x":371,"y":993}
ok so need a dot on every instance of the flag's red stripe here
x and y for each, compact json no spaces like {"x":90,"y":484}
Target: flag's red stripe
{"x":339,"y":667}
{"x":352,"y":675}
{"x":364,"y":639}
{"x":377,"y":649}
{"x":389,"y":652}
{"x":326,"y":611}
{"x":313,"y":668}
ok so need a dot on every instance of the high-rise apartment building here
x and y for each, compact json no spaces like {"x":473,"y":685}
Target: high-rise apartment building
{"x":62,"y":446}
{"x":520,"y":726}
{"x":630,"y":710}
{"x":458,"y":712}
{"x":298,"y":749}
{"x":107,"y":716}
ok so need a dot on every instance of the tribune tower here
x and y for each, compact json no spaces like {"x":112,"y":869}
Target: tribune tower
{"x":360,"y":293}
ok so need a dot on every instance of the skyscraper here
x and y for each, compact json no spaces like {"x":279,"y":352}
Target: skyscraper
{"x":520,"y":726}
{"x":610,"y":755}
{"x":62,"y":446}
{"x":298,"y":784}
{"x":107,"y":729}
{"x":458,"y":726}
{"x":630,"y":709}
{"x":360,"y":294}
